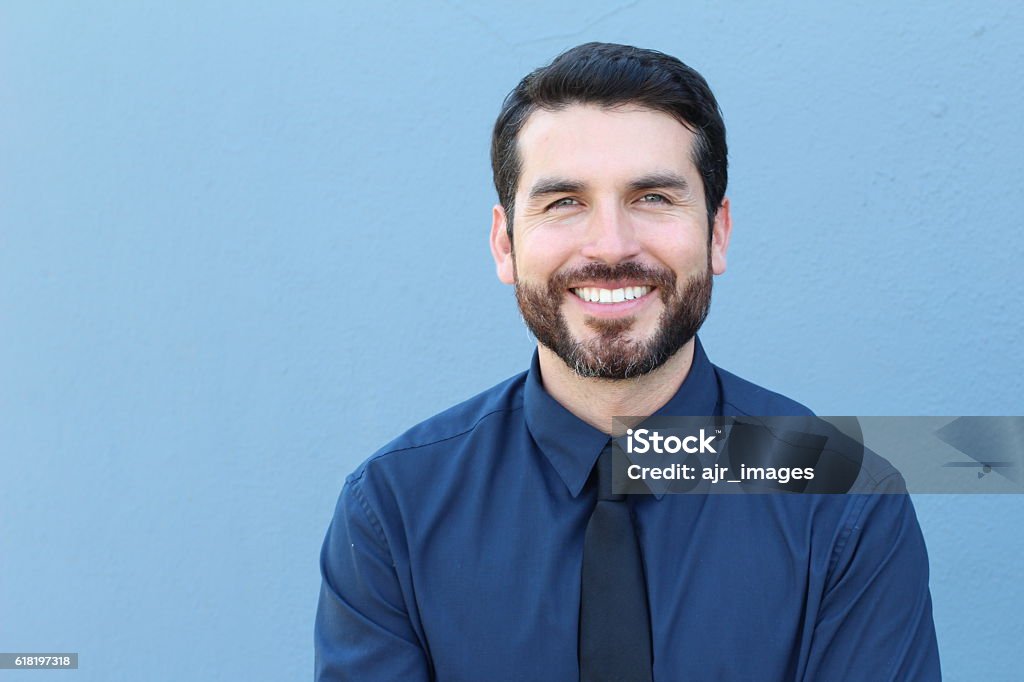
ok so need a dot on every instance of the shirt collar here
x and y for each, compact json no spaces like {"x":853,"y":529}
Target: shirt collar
{"x":572,"y":445}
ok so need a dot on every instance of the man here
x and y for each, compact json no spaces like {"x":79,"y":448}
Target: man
{"x":484,"y":543}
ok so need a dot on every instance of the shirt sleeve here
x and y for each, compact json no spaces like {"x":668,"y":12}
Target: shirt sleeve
{"x":875,"y":619}
{"x":362,"y":629}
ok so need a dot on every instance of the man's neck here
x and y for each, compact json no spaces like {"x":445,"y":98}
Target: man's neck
{"x":597,"y":401}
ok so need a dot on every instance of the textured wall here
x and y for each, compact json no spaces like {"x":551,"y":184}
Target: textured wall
{"x":243,"y":246}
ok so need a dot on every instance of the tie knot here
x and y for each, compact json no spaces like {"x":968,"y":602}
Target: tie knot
{"x":603,"y":474}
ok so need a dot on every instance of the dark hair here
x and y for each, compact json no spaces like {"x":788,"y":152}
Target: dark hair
{"x":608,"y":75}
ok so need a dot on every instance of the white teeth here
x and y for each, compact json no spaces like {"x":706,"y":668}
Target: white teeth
{"x":598,"y":295}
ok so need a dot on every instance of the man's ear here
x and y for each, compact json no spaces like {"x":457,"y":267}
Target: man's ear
{"x":501,"y":245}
{"x":720,"y":233}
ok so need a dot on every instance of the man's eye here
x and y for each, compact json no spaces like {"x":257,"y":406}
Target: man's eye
{"x":653,"y":199}
{"x":564,"y":202}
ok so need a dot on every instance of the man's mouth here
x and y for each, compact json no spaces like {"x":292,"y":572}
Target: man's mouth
{"x":599,"y":295}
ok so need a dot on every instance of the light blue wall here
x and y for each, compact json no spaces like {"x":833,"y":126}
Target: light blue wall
{"x":243,"y":245}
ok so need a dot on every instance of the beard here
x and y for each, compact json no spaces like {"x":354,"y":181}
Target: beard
{"x":611,"y":354}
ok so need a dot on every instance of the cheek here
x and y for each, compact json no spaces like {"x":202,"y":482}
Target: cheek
{"x":688,"y":256}
{"x":540,"y":259}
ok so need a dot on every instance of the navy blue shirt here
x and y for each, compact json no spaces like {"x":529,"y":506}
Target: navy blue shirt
{"x":455,"y":554}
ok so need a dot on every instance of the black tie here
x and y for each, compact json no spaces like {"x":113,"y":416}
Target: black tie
{"x":615,"y":629}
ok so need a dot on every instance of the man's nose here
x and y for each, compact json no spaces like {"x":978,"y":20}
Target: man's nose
{"x":611,"y":236}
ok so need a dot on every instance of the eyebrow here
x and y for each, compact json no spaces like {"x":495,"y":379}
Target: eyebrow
{"x":546,"y":186}
{"x":660,"y":180}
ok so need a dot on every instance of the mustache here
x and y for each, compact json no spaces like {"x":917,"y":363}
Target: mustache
{"x":663,"y":278}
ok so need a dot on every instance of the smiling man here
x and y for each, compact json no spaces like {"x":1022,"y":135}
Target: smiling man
{"x":486,"y":543}
{"x":614,"y":252}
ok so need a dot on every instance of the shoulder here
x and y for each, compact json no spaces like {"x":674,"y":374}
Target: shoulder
{"x":743,"y":397}
{"x":444,"y":432}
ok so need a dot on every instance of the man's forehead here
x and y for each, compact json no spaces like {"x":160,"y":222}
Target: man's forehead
{"x":603,"y":143}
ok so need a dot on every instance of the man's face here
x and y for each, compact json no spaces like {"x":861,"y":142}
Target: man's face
{"x":610,"y":258}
